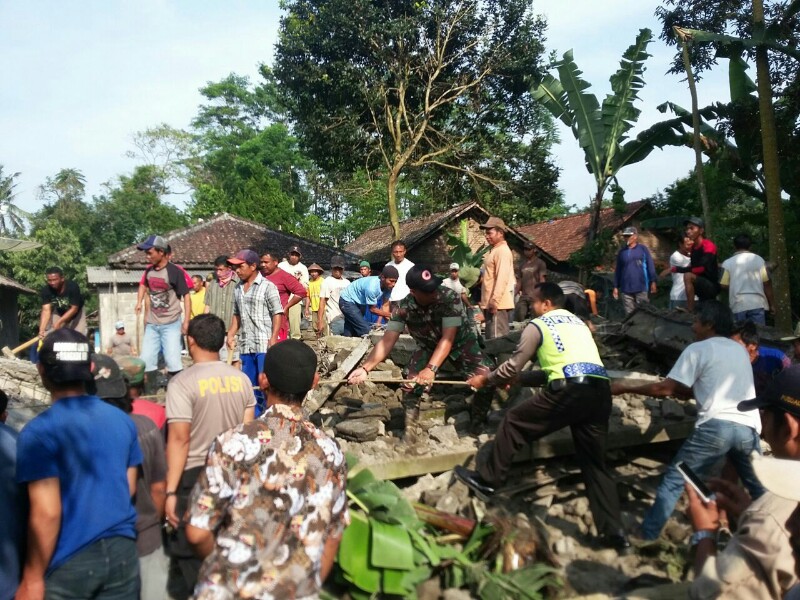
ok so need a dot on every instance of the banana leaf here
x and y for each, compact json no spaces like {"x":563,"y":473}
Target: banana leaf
{"x":729,"y":40}
{"x":391,"y":547}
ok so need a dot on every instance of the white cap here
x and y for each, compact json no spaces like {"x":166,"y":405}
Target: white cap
{"x":454,"y":266}
{"x":119,"y":325}
{"x":780,"y":476}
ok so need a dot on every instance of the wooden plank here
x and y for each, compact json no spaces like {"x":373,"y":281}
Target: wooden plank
{"x":555,"y":444}
{"x":317,"y":397}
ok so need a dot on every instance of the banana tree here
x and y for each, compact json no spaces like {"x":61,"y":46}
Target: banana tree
{"x":602,"y":130}
{"x":763,"y":39}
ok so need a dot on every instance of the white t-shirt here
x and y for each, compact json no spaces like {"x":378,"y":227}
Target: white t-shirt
{"x":331,"y":289}
{"x":400,"y":290}
{"x":678,"y":291}
{"x":745,"y":274}
{"x":718,"y":371}
{"x":455,"y":285}
{"x":298,"y":271}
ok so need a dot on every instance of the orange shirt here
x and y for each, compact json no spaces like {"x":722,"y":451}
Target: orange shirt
{"x":498,"y":277}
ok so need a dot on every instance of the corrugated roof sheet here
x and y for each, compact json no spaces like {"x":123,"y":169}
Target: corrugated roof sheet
{"x":198,"y":245}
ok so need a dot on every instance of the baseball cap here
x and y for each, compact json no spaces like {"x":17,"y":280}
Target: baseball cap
{"x":108,"y":379}
{"x":454,"y":267}
{"x":695,"y":221}
{"x":66,"y":356}
{"x":630,"y":231}
{"x":390,"y":272}
{"x":337,"y":262}
{"x":778,"y":475}
{"x":364,"y":263}
{"x":132,"y":369}
{"x":783,"y":392}
{"x":244,"y":256}
{"x":119,"y":325}
{"x":422,"y":278}
{"x":153,"y":241}
{"x":315,"y":267}
{"x":295,"y":250}
{"x":290,"y":366}
{"x":494,"y":222}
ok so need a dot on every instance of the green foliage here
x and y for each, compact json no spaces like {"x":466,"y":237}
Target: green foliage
{"x":373,"y":93}
{"x":387,"y":551}
{"x":469,"y":262}
{"x":602,"y":131}
{"x":12,"y":218}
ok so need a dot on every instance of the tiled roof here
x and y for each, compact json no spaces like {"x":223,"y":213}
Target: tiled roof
{"x":375,"y":244}
{"x":561,"y":237}
{"x":10,"y":283}
{"x":198,"y":245}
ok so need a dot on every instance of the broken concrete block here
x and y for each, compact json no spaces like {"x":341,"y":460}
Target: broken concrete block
{"x":359,"y":430}
{"x":461,"y":422}
{"x":671,"y":409}
{"x":444,"y":434}
{"x":372,"y":410}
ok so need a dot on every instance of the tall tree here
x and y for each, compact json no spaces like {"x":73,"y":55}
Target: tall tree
{"x":12,"y":217}
{"x":63,"y":196}
{"x":390,"y":87}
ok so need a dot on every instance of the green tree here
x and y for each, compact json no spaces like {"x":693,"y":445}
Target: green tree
{"x":12,"y":217}
{"x":393,"y":87}
{"x":602,"y":131}
{"x":131,"y":209}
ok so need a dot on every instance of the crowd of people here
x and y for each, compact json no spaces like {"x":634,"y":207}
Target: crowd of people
{"x":228,"y":490}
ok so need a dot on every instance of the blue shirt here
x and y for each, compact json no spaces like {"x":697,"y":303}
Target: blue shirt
{"x":769,"y":363}
{"x":635,"y":270}
{"x":365,"y":291}
{"x":88,"y":445}
{"x":13,"y":515}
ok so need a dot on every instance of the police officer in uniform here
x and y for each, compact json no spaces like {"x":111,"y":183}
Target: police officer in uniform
{"x":575,"y":393}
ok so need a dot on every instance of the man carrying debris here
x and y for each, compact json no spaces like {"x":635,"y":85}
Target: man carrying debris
{"x":635,"y":273}
{"x":576,"y":393}
{"x":716,"y":369}
{"x":62,"y":304}
{"x":745,"y":277}
{"x":438,"y":321}
{"x":270,"y":507}
{"x":757,"y":562}
{"x":363,"y":295}
{"x":202,"y":402}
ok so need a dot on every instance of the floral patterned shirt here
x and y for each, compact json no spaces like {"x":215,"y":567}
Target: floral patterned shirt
{"x":273,"y":490}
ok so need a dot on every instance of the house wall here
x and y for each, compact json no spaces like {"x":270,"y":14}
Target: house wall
{"x":118,"y":307}
{"x":9,"y":325}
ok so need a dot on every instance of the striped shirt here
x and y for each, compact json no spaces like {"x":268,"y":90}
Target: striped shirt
{"x":255,"y":309}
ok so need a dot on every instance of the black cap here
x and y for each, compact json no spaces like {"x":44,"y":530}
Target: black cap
{"x":65,"y":356}
{"x":695,"y":221}
{"x":390,"y":272}
{"x":337,"y":262}
{"x":290,"y":366}
{"x":108,"y":379}
{"x":422,"y":278}
{"x":783,"y":392}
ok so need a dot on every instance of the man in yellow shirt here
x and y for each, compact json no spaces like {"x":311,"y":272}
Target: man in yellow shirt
{"x":315,"y":280}
{"x":497,"y":289}
{"x":198,"y":296}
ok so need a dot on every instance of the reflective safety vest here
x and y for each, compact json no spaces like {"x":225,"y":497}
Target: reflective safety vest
{"x":568,"y":349}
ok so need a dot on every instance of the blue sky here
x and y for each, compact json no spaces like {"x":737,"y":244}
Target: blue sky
{"x":80,"y":78}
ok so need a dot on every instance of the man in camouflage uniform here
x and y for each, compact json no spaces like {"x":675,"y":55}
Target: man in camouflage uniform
{"x":438,"y":321}
{"x":269,"y":510}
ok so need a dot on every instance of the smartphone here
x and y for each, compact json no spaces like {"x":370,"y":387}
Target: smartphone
{"x":706,"y":495}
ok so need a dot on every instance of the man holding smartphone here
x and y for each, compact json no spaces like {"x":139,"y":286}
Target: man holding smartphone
{"x":716,"y":370}
{"x":758,"y":560}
